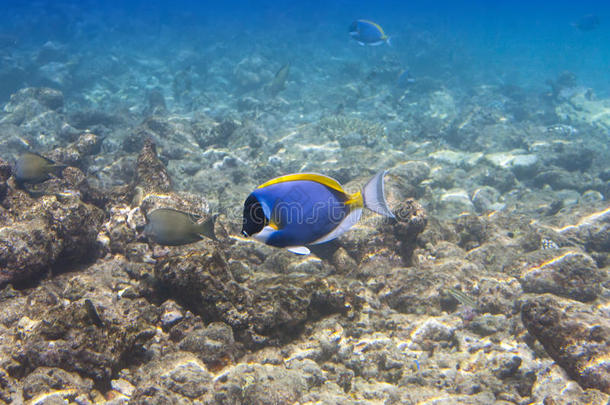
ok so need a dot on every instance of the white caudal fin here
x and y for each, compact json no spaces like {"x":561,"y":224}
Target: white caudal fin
{"x":374,"y":197}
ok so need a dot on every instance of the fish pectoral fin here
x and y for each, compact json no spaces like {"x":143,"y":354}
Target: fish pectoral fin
{"x":299,"y":250}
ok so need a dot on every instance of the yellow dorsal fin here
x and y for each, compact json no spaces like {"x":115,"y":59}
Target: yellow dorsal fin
{"x":383,"y":35}
{"x":318,"y":178}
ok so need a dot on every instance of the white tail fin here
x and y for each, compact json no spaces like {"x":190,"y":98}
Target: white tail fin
{"x":374,"y":197}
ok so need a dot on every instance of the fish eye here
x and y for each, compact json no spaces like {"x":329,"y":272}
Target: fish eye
{"x":254,"y":217}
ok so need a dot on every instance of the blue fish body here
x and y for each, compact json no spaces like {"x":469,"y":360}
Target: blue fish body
{"x":368,"y":33}
{"x":303,"y":211}
{"x":306,"y":208}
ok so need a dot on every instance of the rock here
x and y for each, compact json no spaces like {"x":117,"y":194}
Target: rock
{"x":453,"y":203}
{"x":151,"y":173}
{"x":461,"y":159}
{"x":214,"y":345}
{"x":54,"y":382}
{"x":172,"y":314}
{"x":569,"y":274}
{"x":486,"y":324}
{"x":553,"y":386}
{"x":173,"y":378}
{"x":583,"y":109}
{"x":412,"y":220}
{"x":576,"y":336}
{"x":68,"y":338}
{"x":49,"y":230}
{"x":486,"y":199}
{"x":416,"y":289}
{"x":432,"y":330}
{"x":560,"y":179}
{"x":75,"y":153}
{"x":261,"y":311}
{"x":472,"y":230}
{"x":522,"y":164}
{"x":260,"y":384}
{"x":5,"y":170}
{"x":50,"y":98}
{"x":123,"y":386}
{"x":208,"y":134}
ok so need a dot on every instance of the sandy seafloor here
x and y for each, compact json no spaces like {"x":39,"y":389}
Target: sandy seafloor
{"x":501,"y":188}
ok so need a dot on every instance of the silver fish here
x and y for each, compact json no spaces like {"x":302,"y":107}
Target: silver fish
{"x":167,"y":226}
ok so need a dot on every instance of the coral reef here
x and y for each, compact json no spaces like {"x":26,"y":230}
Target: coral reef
{"x":500,"y":196}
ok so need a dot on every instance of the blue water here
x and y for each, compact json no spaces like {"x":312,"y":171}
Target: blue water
{"x":504,"y":42}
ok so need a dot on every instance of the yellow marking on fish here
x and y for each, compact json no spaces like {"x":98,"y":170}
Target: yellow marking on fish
{"x":383,"y":35}
{"x":318,"y":178}
{"x":355,"y":200}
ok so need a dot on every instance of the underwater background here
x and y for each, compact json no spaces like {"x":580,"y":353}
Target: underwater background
{"x":489,"y":287}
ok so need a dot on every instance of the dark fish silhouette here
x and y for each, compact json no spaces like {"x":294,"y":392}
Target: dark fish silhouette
{"x":8,"y":41}
{"x":587,"y":23}
{"x":34,"y":168}
{"x":279,"y":81}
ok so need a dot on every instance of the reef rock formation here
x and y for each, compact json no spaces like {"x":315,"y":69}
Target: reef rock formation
{"x":575,"y":336}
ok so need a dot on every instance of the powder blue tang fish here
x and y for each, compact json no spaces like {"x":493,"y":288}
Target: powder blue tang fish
{"x":367,"y":32}
{"x":301,"y":209}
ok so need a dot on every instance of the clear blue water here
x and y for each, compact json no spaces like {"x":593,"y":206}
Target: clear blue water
{"x":504,"y":42}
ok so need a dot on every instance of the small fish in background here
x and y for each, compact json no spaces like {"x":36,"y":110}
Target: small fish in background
{"x":404,"y":79}
{"x":587,"y":23}
{"x":546,"y":244}
{"x":367,"y":32}
{"x":167,"y":226}
{"x":8,"y":41}
{"x":33,"y":168}
{"x":301,"y":209}
{"x":470,"y":307}
{"x":279,"y":81}
{"x":562,"y":129}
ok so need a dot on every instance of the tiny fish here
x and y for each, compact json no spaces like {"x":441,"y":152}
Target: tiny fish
{"x":463,"y":298}
{"x":367,"y":32}
{"x":34,"y":168}
{"x":279,"y":81}
{"x":167,"y":226}
{"x":562,"y":129}
{"x":404,"y":78}
{"x":548,"y":244}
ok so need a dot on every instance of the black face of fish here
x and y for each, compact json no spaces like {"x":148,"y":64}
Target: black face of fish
{"x":254,"y":217}
{"x":353,"y":28}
